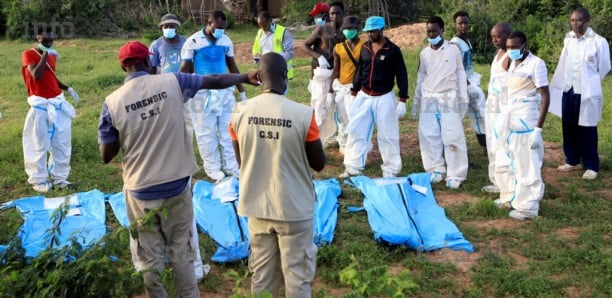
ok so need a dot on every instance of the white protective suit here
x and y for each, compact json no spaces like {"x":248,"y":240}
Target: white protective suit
{"x":517,"y":166}
{"x":324,"y":115}
{"x":211,"y":111}
{"x":477,"y":105}
{"x":441,"y":135}
{"x":364,"y":112}
{"x":48,"y":128}
{"x":344,"y":101}
{"x":497,"y":100}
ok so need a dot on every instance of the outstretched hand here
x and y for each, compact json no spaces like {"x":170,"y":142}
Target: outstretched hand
{"x":253,"y":78}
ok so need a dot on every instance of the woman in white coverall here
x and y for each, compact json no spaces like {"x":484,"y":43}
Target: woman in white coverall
{"x":520,"y":149}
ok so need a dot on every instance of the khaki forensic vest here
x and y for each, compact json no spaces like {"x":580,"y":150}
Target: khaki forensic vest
{"x":279,"y":32}
{"x":147,"y":111}
{"x":275,"y":179}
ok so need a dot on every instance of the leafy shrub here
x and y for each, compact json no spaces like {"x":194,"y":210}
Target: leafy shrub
{"x":544,"y":22}
{"x":70,"y":271}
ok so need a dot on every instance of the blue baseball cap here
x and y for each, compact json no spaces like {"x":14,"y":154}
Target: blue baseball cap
{"x":374,"y":23}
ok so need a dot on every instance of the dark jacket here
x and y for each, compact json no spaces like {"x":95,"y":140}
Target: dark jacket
{"x":375,"y":75}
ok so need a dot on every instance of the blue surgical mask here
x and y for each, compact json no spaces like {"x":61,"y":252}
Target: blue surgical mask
{"x":349,"y":33}
{"x":169,"y":33}
{"x":515,"y":54}
{"x":272,"y":27}
{"x":319,"y":22}
{"x":435,"y":41}
{"x":218,"y":33}
{"x":43,"y":48}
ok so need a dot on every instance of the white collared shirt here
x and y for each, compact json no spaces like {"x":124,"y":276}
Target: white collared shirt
{"x":573,"y":66}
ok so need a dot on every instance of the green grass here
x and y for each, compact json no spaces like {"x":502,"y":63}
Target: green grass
{"x":566,"y":251}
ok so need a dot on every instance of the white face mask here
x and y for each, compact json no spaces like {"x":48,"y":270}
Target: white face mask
{"x":169,"y":33}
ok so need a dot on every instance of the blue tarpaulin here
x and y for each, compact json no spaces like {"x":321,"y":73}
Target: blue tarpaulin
{"x":215,"y":211}
{"x":85,"y":220}
{"x":326,"y":210}
{"x":403,"y":211}
{"x":215,"y":208}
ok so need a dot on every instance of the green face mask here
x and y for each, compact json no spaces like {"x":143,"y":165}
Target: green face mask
{"x":349,"y":33}
{"x":43,"y":48}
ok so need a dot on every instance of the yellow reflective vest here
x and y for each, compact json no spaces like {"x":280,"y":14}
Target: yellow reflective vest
{"x":279,"y":32}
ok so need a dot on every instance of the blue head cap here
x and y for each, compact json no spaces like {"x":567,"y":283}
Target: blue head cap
{"x":374,"y":23}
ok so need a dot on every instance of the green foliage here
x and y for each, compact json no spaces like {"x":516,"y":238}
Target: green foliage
{"x":71,"y":271}
{"x":544,"y":22}
{"x":296,"y":12}
{"x":82,"y":18}
{"x":376,"y":281}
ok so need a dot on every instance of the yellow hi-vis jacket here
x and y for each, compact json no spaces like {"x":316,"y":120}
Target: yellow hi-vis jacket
{"x":279,"y":32}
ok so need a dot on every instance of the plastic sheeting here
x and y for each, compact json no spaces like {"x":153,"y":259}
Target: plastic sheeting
{"x":85,"y":220}
{"x":215,"y":208}
{"x":326,"y":210}
{"x":215,"y":211}
{"x":403,"y":211}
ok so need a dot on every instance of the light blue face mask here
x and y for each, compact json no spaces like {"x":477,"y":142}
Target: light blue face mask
{"x":515,"y":54}
{"x":272,"y":27}
{"x":169,"y":33}
{"x":319,"y":22}
{"x":349,"y":33}
{"x":218,"y":33}
{"x":43,"y":48}
{"x":435,"y":41}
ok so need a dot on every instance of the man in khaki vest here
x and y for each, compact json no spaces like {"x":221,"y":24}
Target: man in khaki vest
{"x":144,"y":119}
{"x":277,"y":142}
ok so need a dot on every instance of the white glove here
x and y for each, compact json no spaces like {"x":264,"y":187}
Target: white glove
{"x":401,"y":109}
{"x":535,"y":139}
{"x":243,"y":96}
{"x":323,"y":62}
{"x":52,"y":52}
{"x":415,"y":110}
{"x":74,"y":95}
{"x":329,"y":101}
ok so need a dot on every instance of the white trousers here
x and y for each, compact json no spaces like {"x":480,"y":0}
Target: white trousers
{"x":48,"y":129}
{"x":495,"y":102}
{"x":477,"y":105}
{"x":364,"y":112}
{"x":518,"y":168}
{"x":211,"y":112}
{"x":324,"y":115}
{"x":441,"y":135}
{"x":343,"y":100}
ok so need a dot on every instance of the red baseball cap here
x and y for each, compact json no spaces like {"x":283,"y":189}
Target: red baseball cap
{"x":320,"y":7}
{"x":134,"y":50}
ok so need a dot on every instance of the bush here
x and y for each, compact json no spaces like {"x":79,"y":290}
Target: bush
{"x":544,"y":22}
{"x":82,"y":18}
